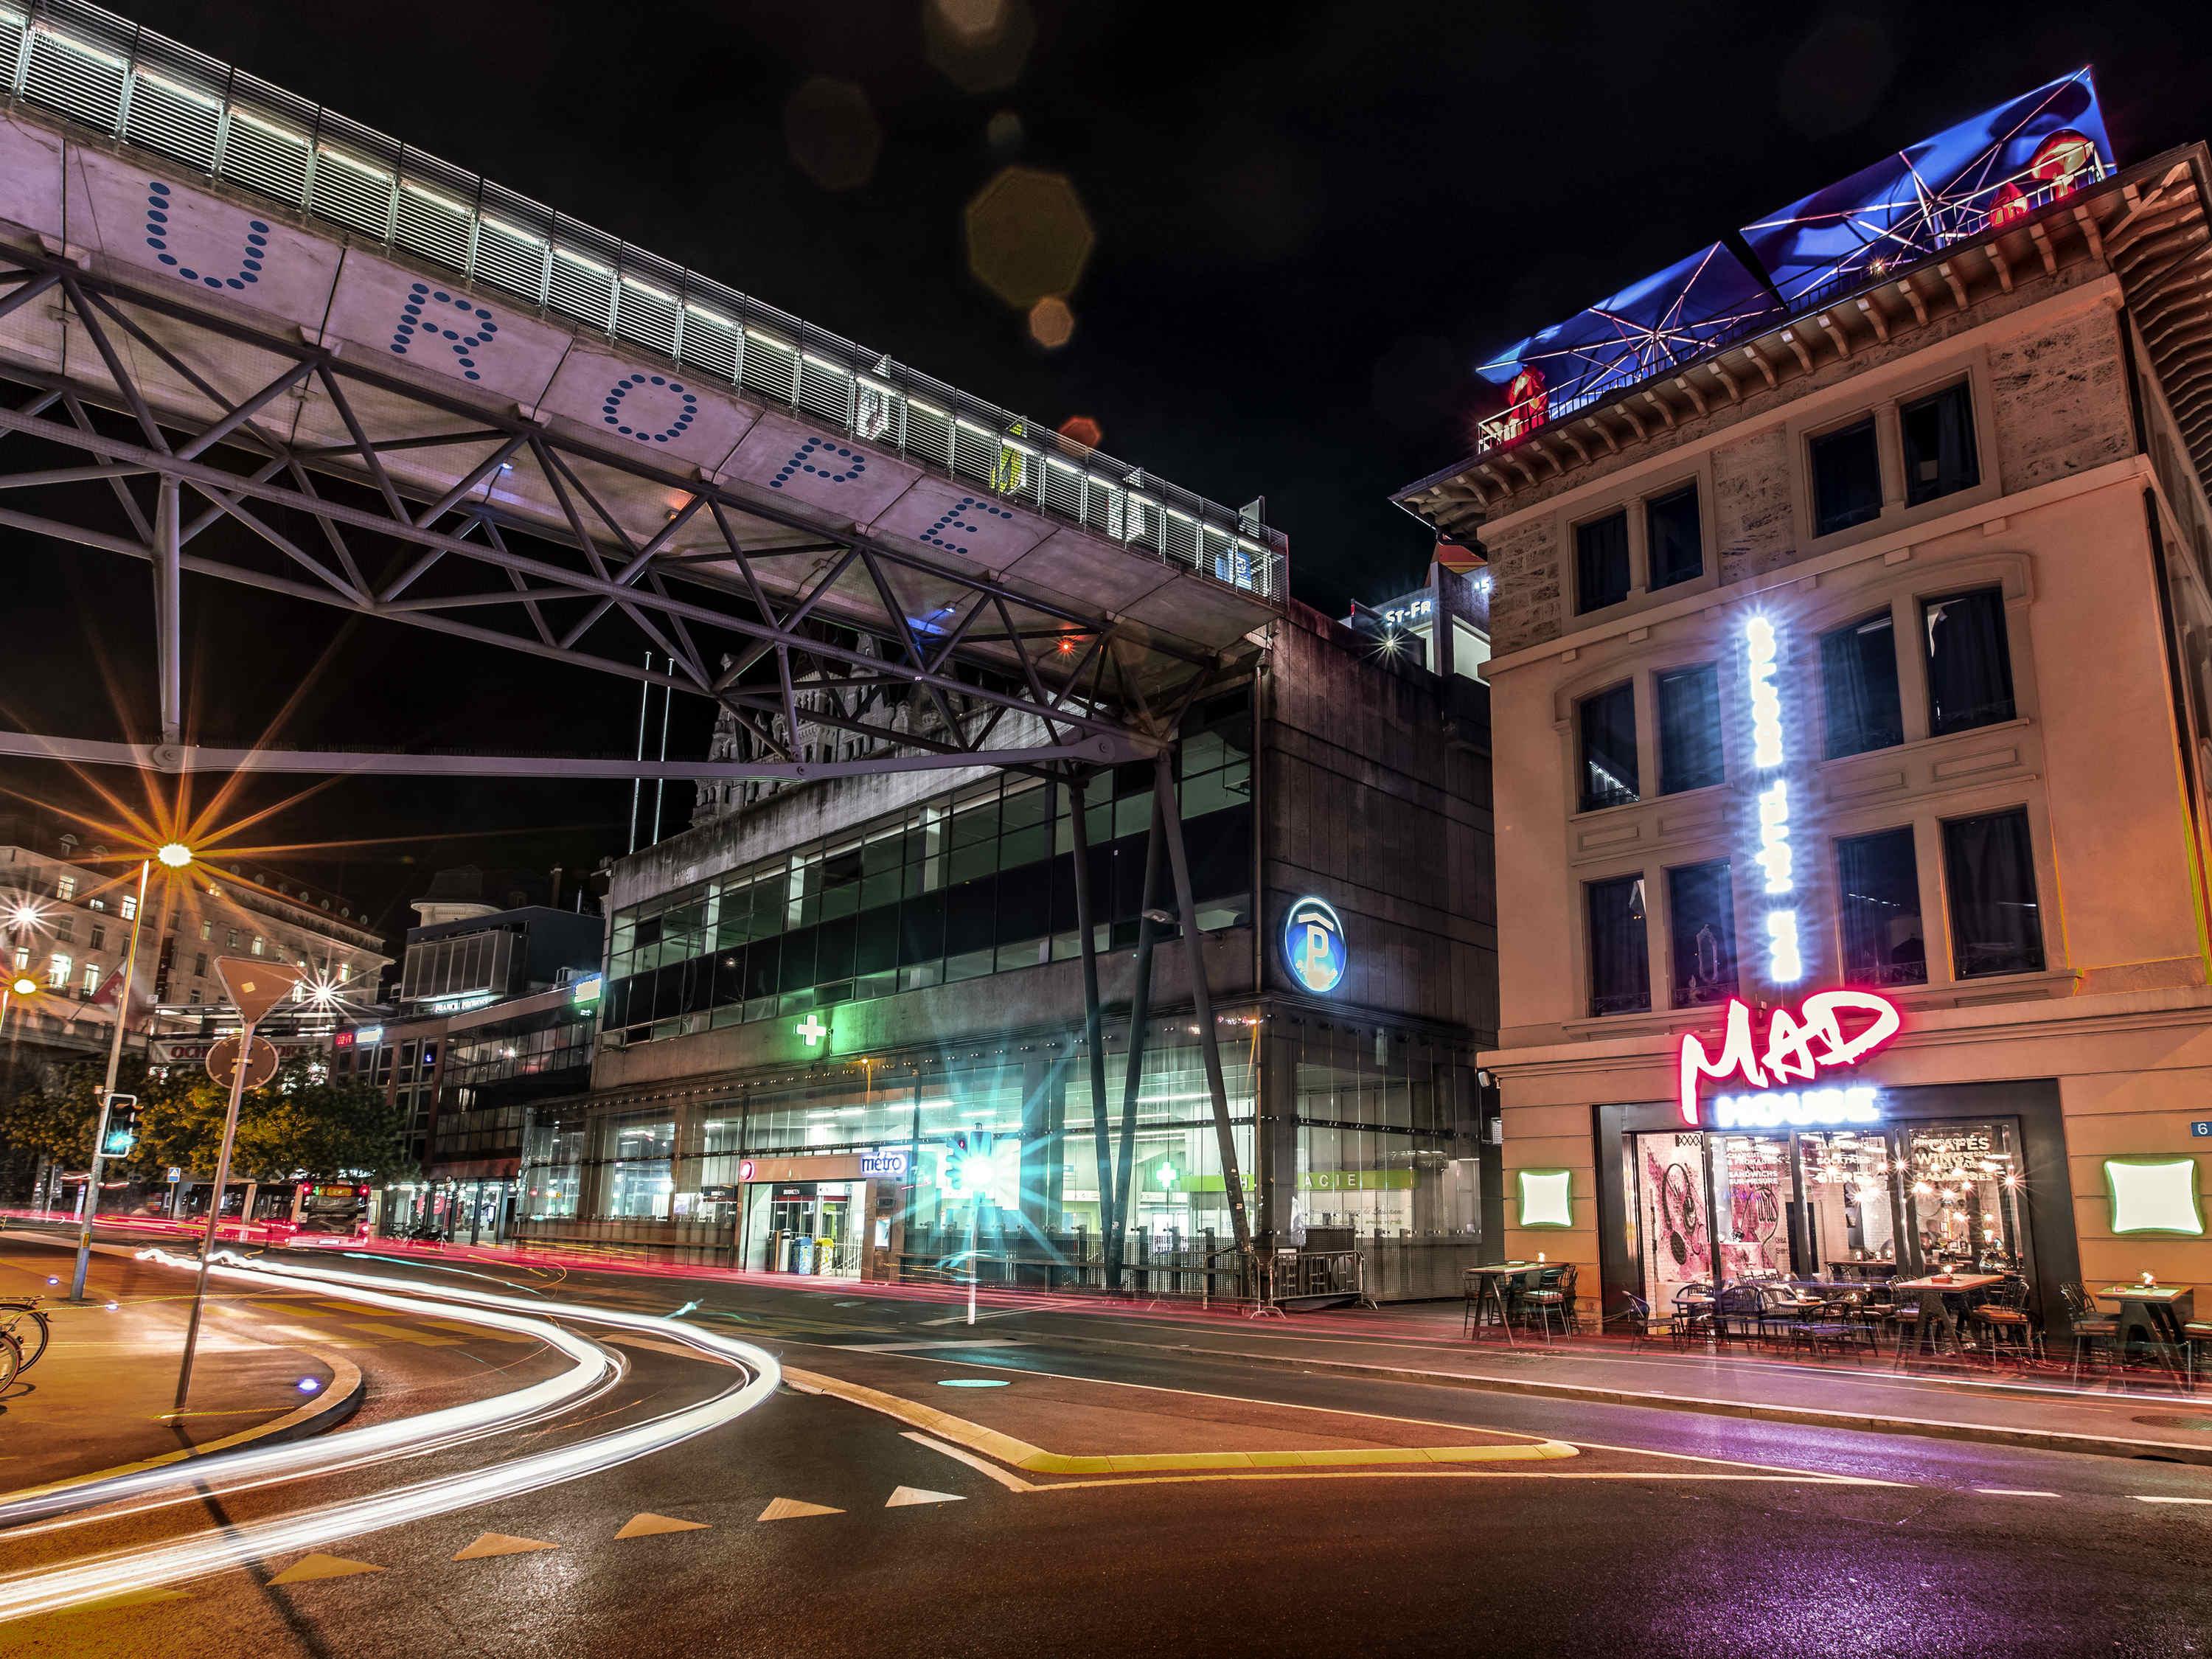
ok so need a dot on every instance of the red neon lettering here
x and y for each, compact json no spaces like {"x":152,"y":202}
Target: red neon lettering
{"x":1798,"y":1045}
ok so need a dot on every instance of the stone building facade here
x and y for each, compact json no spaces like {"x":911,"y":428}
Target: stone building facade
{"x":1925,"y":727}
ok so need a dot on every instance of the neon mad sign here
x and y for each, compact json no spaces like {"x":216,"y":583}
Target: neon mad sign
{"x":1785,"y":962}
{"x":1798,"y":1047}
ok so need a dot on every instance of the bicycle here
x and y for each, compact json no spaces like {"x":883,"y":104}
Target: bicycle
{"x":11,"y":1362}
{"x":29,"y":1343}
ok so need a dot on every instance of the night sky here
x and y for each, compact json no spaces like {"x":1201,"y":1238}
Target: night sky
{"x":1310,"y":222}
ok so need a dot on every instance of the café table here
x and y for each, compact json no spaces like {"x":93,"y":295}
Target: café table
{"x":1867,"y":1272}
{"x":1490,"y":1294}
{"x":2153,"y":1315}
{"x":1937,"y":1315}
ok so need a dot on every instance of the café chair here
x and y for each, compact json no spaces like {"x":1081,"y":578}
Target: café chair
{"x":1553,"y":1298}
{"x":2002,"y":1321}
{"x":1692,"y":1320}
{"x":2092,"y":1328}
{"x":1740,"y":1310}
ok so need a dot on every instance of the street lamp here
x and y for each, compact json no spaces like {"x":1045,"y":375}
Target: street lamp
{"x":173,"y":855}
{"x":114,"y":1062}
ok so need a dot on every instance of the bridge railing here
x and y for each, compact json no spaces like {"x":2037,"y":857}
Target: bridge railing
{"x":141,"y":87}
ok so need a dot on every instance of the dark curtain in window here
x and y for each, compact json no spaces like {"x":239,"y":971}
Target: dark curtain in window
{"x":1689,"y":729}
{"x":1969,"y":662}
{"x":1846,"y":478}
{"x":1878,"y":888}
{"x":1676,"y":553}
{"x":1939,"y":445}
{"x":1701,"y":925}
{"x":1989,"y":866}
{"x":1608,"y":724}
{"x":1601,"y":561}
{"x":1858,"y":681}
{"x":1620,"y":972}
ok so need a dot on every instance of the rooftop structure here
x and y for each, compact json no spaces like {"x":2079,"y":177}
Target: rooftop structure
{"x":1894,"y":237}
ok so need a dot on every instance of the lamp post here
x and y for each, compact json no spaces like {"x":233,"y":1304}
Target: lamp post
{"x":114,"y":1062}
{"x":255,"y":987}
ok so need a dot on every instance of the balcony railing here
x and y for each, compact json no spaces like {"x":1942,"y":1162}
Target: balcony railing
{"x":141,"y":87}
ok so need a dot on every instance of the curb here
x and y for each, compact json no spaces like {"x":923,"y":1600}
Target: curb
{"x":333,"y":1406}
{"x":2170,"y":1451}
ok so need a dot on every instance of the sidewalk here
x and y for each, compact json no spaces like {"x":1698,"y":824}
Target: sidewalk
{"x":99,"y":1400}
{"x":1421,"y":1342}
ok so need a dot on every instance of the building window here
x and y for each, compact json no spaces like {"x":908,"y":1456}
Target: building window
{"x":199,"y":964}
{"x":1859,"y":679}
{"x":1969,"y":661}
{"x":1606,"y":723}
{"x":1620,"y":971}
{"x":91,"y":981}
{"x":95,"y":904}
{"x":1601,"y":561}
{"x":22,"y":957}
{"x":65,"y":929}
{"x":257,"y":944}
{"x":98,"y":936}
{"x":1939,"y":445}
{"x":1989,"y":868}
{"x":1846,"y":478}
{"x":1701,"y":925}
{"x":346,"y":973}
{"x":64,"y":887}
{"x":1689,"y":729}
{"x":1878,"y":889}
{"x":195,"y":995}
{"x":58,"y":970}
{"x":128,"y":906}
{"x":1674,"y":549}
{"x":207,"y":931}
{"x":229,"y":938}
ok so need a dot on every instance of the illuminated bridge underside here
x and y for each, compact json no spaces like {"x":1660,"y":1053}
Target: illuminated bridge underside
{"x":396,"y":445}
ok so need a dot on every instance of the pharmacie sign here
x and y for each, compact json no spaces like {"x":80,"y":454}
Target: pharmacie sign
{"x":1794,"y":1071}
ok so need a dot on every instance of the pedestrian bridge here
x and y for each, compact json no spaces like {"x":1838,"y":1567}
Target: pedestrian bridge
{"x":209,"y":255}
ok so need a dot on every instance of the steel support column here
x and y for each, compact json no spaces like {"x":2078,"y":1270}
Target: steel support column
{"x":1093,"y":1017}
{"x":1132,"y":1067}
{"x":168,"y":610}
{"x":1209,"y":1039}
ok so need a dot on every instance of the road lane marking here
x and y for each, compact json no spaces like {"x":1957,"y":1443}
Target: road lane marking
{"x":955,"y":1319}
{"x":933,"y":1344}
{"x":2141,"y":1498}
{"x":500,"y":1543}
{"x":981,"y":1466}
{"x":790,"y":1509}
{"x":646,"y":1525}
{"x":657,"y":1347}
{"x":401,"y":1333}
{"x":2013,"y":1492}
{"x":910,"y":1497}
{"x":309,"y":1568}
{"x":1035,"y":1460}
{"x":1339,"y":1411}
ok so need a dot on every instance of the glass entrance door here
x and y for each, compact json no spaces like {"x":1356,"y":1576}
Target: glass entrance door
{"x":1673,"y":1220}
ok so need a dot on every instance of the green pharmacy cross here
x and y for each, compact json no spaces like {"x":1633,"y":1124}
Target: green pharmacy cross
{"x":813,"y":1030}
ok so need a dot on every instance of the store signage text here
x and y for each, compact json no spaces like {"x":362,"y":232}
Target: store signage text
{"x":1785,"y":962}
{"x":1798,"y":1046}
{"x":888,"y":1166}
{"x":1799,"y":1108}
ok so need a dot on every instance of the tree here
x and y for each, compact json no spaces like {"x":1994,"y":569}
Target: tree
{"x":300,"y":1124}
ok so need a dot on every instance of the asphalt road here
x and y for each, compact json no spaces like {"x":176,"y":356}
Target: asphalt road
{"x":1668,"y":1534}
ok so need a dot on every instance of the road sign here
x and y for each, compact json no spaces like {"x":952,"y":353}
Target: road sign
{"x":260,"y":1066}
{"x":256,"y":987}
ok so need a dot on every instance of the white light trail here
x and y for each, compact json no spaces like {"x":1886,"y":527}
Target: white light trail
{"x":50,"y":1589}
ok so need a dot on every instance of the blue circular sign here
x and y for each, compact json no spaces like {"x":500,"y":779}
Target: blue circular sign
{"x":1313,"y":945}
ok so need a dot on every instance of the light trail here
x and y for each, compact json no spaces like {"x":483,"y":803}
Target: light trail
{"x":45,"y":1591}
{"x":589,"y":1367}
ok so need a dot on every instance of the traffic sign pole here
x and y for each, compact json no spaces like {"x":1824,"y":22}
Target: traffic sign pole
{"x":255,"y":988}
{"x":107,"y":1092}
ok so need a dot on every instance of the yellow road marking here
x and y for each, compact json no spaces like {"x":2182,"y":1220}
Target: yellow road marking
{"x":1035,"y":1460}
{"x":401,"y":1333}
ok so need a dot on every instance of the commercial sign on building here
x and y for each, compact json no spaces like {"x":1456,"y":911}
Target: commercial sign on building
{"x":1800,"y":1045}
{"x":1313,"y":945}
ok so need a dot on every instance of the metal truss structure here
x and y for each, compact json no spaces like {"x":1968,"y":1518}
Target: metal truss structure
{"x":340,"y":529}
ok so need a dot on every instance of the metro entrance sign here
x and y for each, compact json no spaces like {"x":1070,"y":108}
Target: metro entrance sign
{"x":1798,"y":1046}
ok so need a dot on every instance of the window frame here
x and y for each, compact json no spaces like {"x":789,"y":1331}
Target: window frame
{"x":1583,"y":802}
{"x":1871,"y":419}
{"x":1963,"y":384}
{"x":1660,"y":677}
{"x":1583,"y":605}
{"x":1588,"y":953}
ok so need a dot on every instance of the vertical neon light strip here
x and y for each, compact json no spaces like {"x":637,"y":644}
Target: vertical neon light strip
{"x":1785,"y":963}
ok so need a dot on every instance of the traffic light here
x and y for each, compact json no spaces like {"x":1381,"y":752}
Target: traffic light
{"x":122,"y":1127}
